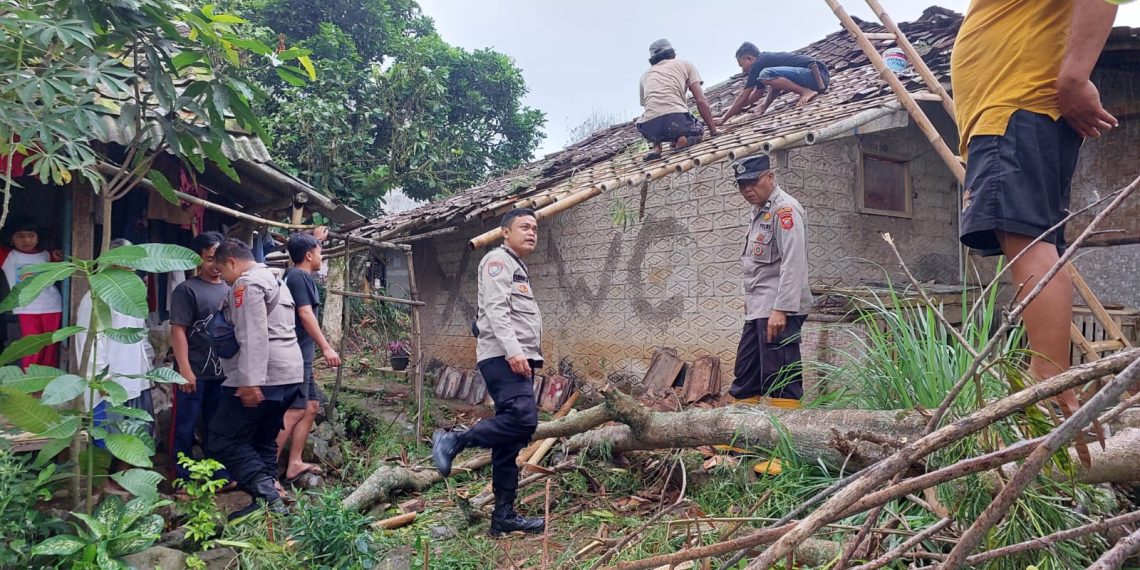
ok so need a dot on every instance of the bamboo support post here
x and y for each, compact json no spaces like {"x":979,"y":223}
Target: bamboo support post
{"x":331,"y":412}
{"x":417,"y":347}
{"x":374,"y":297}
{"x":928,"y":77}
{"x":932,"y":135}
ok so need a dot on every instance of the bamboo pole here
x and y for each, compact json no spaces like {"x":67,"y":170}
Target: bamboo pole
{"x":683,"y":166}
{"x":372,"y":242}
{"x":768,"y":146}
{"x":417,"y":346}
{"x":900,"y":91}
{"x":711,"y":157}
{"x":374,"y":297}
{"x":490,"y":236}
{"x":916,"y":60}
{"x":343,"y":333}
{"x":108,"y":168}
{"x":846,"y":126}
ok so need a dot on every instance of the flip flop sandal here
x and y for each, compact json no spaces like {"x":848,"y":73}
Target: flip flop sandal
{"x":298,"y":480}
{"x":652,"y":156}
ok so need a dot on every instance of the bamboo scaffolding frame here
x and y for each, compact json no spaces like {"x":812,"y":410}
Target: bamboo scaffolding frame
{"x":916,"y":60}
{"x":916,"y":112}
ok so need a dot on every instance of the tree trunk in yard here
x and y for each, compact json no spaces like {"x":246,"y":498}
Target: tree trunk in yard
{"x":853,"y":438}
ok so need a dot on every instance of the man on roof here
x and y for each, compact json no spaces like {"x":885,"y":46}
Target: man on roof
{"x":776,"y":72}
{"x":664,"y":94}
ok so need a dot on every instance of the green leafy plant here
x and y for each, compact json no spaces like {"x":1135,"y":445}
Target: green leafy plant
{"x":112,"y":531}
{"x":330,"y":536}
{"x":21,"y":524}
{"x":203,"y":515}
{"x":114,"y":286}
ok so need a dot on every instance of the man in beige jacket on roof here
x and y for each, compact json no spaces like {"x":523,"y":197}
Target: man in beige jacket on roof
{"x":664,"y":94}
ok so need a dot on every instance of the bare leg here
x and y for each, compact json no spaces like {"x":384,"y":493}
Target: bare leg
{"x":292,"y":416}
{"x":785,"y":84}
{"x":298,"y":438}
{"x":1049,"y":317}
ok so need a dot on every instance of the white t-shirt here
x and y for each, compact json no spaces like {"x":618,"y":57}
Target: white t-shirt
{"x":120,"y":359}
{"x":49,"y":301}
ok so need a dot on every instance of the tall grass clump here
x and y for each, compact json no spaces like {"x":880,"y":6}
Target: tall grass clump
{"x":902,"y":357}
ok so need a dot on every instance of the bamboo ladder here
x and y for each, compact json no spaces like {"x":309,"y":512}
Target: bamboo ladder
{"x":1115,"y":339}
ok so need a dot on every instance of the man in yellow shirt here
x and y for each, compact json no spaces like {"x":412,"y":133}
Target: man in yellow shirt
{"x":1021,"y":78}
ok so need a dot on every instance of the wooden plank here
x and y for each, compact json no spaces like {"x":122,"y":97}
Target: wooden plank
{"x":539,"y":382}
{"x":704,"y":380}
{"x":1110,"y":327}
{"x":1107,"y":345}
{"x":478,"y":389}
{"x":449,"y":383}
{"x":663,"y":371}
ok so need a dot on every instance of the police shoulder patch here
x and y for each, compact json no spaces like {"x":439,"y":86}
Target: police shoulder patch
{"x":239,"y":296}
{"x":495,"y":267}
{"x":787,"y":220}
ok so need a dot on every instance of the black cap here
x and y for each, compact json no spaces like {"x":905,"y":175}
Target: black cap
{"x":752,"y":167}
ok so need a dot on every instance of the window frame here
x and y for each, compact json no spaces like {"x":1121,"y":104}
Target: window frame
{"x":861,"y":190}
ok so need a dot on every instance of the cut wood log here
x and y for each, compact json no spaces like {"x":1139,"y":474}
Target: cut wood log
{"x":554,"y":393}
{"x":703,"y":380}
{"x":663,"y":372}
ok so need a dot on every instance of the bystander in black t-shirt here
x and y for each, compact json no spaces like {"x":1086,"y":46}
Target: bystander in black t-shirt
{"x":778,"y":59}
{"x":304,"y":290}
{"x":192,"y":304}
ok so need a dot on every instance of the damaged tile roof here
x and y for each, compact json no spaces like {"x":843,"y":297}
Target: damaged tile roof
{"x":616,"y":152}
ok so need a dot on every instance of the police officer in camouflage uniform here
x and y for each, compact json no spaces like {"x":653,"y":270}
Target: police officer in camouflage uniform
{"x":776,"y":293}
{"x":509,"y":329}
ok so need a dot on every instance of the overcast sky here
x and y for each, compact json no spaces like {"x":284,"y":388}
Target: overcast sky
{"x":586,"y":56}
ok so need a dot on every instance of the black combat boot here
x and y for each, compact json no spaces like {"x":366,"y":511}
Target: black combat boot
{"x":504,"y":519}
{"x":444,"y":447}
{"x":264,"y":493}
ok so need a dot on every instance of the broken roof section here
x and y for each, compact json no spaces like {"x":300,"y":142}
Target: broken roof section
{"x":613,"y":157}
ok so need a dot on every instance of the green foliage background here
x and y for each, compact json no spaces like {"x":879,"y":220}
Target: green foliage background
{"x":393,"y":106}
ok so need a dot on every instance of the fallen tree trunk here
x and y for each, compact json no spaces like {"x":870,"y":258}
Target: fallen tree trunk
{"x":841,"y":438}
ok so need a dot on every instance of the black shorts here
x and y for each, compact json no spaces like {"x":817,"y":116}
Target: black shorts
{"x":669,"y":128}
{"x":309,"y":390}
{"x":1019,"y":182}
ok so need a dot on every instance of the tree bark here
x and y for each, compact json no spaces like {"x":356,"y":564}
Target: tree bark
{"x":840,"y":438}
